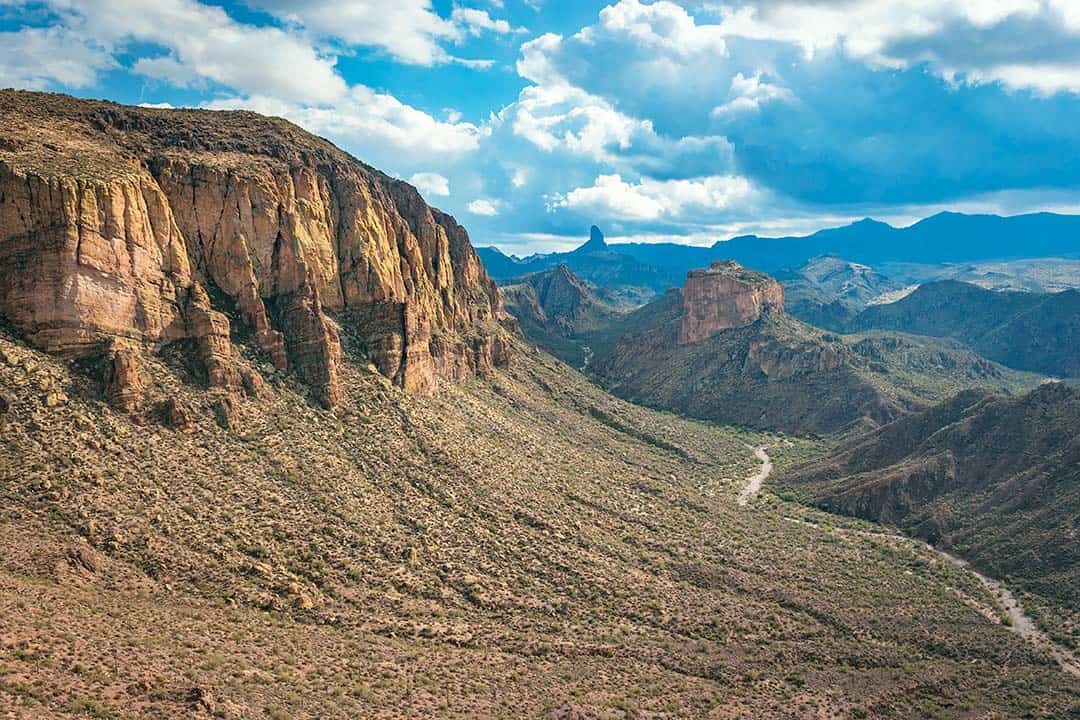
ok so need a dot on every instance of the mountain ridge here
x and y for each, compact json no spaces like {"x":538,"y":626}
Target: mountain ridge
{"x":997,"y":478}
{"x":1037,"y":332}
{"x":946,"y":237}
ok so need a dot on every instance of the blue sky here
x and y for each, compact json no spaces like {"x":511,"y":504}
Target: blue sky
{"x":688,"y":121}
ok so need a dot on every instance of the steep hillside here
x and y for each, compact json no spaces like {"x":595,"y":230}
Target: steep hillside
{"x":124,"y":230}
{"x":1029,"y":331}
{"x":724,"y":350}
{"x":996,"y":479}
{"x":828,"y":291}
{"x":519,"y":546}
{"x":554,"y":308}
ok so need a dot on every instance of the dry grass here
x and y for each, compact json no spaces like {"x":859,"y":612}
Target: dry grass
{"x":524,"y":546}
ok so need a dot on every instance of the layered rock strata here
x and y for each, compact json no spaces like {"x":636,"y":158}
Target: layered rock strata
{"x":122,"y":224}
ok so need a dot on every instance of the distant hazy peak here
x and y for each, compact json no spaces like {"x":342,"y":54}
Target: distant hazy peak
{"x":596,"y":241}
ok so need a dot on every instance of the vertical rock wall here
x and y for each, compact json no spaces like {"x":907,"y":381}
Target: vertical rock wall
{"x":115,"y":223}
{"x":724,"y":297}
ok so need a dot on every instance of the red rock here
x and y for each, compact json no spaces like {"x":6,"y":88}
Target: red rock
{"x":724,"y":297}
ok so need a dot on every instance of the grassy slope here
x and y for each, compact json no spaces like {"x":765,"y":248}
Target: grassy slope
{"x":993,"y":479}
{"x":523,"y":546}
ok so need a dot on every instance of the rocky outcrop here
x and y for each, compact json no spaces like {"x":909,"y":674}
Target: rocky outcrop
{"x":124,"y":223}
{"x":724,"y":297}
{"x":124,"y":381}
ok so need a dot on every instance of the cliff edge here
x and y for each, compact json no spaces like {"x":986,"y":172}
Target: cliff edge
{"x":125,"y":229}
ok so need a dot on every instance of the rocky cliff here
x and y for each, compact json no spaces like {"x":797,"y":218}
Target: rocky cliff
{"x":137,"y":228}
{"x":724,"y":297}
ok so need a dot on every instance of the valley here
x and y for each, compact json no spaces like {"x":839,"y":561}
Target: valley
{"x":275,"y":444}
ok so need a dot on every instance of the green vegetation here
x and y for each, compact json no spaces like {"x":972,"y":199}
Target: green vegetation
{"x":993,"y":479}
{"x":505,"y":546}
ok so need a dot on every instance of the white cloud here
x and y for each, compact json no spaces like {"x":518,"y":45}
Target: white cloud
{"x":660,"y":26}
{"x":429,"y":183}
{"x":409,"y":30}
{"x":35,"y":58}
{"x":484,"y":206}
{"x":550,"y":116}
{"x":902,"y":33}
{"x":202,"y":41}
{"x":476,"y":22}
{"x":370,"y":122}
{"x":748,"y":93}
{"x":649,"y":199}
{"x":1044,"y":79}
{"x":553,"y":114}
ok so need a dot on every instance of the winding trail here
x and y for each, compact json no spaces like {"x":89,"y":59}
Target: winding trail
{"x":753,"y":483}
{"x":1020,"y":622}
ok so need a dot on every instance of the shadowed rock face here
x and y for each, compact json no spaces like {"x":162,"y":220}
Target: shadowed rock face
{"x":115,"y":222}
{"x":724,"y":297}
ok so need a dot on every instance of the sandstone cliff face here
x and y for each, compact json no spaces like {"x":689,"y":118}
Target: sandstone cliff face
{"x":724,"y":297}
{"x":121,"y":223}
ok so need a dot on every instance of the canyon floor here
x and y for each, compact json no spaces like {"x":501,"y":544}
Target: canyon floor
{"x":517,"y":546}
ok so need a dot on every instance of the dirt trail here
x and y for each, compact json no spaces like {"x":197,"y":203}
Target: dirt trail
{"x":1021,"y":623}
{"x":753,"y":483}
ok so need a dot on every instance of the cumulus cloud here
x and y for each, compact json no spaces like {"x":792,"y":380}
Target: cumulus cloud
{"x":429,"y":183}
{"x":205,"y":42}
{"x":748,"y":93}
{"x":554,"y":114}
{"x":372,"y":123}
{"x":1014,"y":42}
{"x":659,"y":26}
{"x":476,"y":22}
{"x":648,"y":199}
{"x":484,"y":206}
{"x":411,"y":31}
{"x":36,"y":58}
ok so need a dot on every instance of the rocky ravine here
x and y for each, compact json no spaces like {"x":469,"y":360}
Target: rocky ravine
{"x":124,"y":229}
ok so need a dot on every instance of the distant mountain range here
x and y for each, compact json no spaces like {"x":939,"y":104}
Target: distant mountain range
{"x":943,"y":238}
{"x":828,"y":291}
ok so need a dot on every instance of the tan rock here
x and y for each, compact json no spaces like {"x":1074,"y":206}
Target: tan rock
{"x":176,"y":414}
{"x":134,"y":218}
{"x":124,"y":382}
